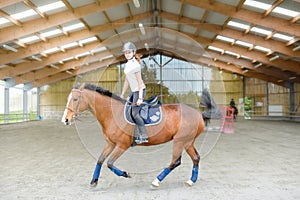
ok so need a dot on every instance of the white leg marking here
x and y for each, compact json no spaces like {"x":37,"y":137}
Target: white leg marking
{"x":155,"y":183}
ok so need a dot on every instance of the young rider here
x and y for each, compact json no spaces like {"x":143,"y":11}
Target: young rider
{"x":134,"y":80}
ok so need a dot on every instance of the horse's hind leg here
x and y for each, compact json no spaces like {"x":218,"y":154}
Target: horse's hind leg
{"x":106,"y":151}
{"x":196,"y":159}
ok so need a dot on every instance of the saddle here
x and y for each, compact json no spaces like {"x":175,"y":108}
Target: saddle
{"x":150,"y":111}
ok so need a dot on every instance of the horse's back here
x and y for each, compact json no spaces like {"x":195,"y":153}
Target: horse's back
{"x":184,"y":115}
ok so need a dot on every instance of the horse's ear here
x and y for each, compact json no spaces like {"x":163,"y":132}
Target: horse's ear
{"x":82,"y":86}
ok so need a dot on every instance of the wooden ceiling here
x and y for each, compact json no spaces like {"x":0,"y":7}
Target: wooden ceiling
{"x":199,"y":31}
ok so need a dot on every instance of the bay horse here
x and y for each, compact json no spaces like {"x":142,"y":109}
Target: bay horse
{"x":179,"y":123}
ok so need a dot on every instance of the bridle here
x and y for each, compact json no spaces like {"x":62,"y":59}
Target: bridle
{"x":78,"y":105}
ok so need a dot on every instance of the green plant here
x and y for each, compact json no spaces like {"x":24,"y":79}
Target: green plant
{"x":248,"y":103}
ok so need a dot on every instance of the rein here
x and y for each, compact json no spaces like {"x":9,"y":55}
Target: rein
{"x":78,"y":105}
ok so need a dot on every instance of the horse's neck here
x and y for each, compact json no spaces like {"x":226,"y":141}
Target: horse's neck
{"x":105,"y":108}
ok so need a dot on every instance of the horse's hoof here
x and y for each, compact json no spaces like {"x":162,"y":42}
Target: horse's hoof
{"x":126,"y":175}
{"x":189,"y":183}
{"x":94,"y":182}
{"x":155,"y":183}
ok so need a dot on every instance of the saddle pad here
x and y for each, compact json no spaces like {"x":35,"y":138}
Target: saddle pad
{"x":154,"y":115}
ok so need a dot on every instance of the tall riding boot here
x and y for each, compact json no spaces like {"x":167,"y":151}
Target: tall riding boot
{"x":141,"y":127}
{"x":144,"y":135}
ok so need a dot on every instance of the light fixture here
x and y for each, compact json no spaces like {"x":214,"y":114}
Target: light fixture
{"x":258,"y":65}
{"x":245,"y":70}
{"x":69,"y":72}
{"x":292,"y":77}
{"x":10,"y":48}
{"x":136,"y":3}
{"x":274,"y":58}
{"x":142,"y":29}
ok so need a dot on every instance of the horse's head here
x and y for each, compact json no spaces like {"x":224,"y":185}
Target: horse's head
{"x":75,"y":105}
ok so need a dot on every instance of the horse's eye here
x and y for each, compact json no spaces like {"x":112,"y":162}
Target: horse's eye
{"x":75,"y":99}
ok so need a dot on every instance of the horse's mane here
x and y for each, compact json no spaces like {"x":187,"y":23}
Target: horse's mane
{"x":103,"y":91}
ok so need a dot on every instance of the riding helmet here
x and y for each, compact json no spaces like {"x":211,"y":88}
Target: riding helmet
{"x":129,"y":46}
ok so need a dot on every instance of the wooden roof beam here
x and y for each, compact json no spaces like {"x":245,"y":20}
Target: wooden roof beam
{"x":218,"y":29}
{"x":8,"y":17}
{"x":11,"y":33}
{"x":63,"y":75}
{"x":275,"y":4}
{"x":275,"y":23}
{"x":33,"y":7}
{"x":5,"y":3}
{"x":30,"y":66}
{"x":71,"y":37}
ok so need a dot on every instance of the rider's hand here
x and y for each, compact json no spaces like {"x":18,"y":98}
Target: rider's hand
{"x":139,"y":101}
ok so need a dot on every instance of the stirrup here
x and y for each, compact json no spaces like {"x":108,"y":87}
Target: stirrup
{"x":141,"y":140}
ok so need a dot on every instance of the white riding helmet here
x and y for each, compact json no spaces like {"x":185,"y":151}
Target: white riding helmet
{"x":129,"y":46}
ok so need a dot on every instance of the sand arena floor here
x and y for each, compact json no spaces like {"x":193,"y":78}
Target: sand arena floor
{"x":47,"y":160}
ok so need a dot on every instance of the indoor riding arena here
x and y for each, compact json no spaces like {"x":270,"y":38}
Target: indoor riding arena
{"x":221,"y":112}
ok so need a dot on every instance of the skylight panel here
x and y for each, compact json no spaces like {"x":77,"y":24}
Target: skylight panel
{"x":3,"y":20}
{"x":87,"y":40}
{"x":97,"y":50}
{"x":51,"y":33}
{"x":215,"y":49}
{"x":246,"y":57}
{"x":67,"y":59}
{"x":51,"y":6}
{"x":232,"y":53}
{"x":107,"y":57}
{"x":257,"y":4}
{"x":70,"y":45}
{"x":73,"y":27}
{"x":29,"y":39}
{"x":244,"y":44}
{"x":226,"y":39}
{"x":238,"y":25}
{"x":286,"y":12}
{"x":52,"y":50}
{"x":283,"y":37}
{"x":83,"y":54}
{"x":260,"y":48}
{"x":24,"y":14}
{"x":260,"y":30}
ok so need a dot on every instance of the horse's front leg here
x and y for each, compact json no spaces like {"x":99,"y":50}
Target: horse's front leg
{"x":108,"y":148}
{"x":110,"y":163}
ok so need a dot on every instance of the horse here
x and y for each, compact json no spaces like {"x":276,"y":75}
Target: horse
{"x":179,"y":123}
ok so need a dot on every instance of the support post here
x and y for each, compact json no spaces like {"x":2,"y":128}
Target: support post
{"x":9,"y":82}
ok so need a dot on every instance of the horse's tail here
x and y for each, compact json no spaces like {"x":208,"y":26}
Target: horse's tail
{"x":213,"y":111}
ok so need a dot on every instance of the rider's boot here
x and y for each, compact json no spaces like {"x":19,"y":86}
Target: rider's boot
{"x":144,"y":136}
{"x":141,"y":127}
{"x":136,"y":136}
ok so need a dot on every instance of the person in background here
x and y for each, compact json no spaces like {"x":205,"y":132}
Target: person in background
{"x":232,"y":105}
{"x":133,"y":79}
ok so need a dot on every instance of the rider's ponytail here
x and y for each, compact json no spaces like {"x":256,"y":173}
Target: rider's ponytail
{"x":138,"y":58}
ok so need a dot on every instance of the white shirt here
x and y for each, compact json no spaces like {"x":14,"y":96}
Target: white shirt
{"x":131,"y":68}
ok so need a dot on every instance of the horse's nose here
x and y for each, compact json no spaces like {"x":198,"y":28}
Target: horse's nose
{"x":66,"y":122}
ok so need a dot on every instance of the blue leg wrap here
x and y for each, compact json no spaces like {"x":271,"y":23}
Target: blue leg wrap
{"x":97,"y":171}
{"x":194,"y":174}
{"x":116,"y":171}
{"x":163,"y":174}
